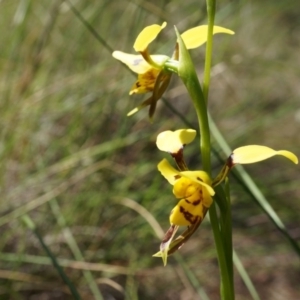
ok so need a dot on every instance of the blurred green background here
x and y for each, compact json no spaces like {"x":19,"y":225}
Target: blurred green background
{"x":86,"y":174}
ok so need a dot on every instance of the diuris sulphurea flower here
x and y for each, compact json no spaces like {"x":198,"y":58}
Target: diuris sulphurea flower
{"x":195,"y":188}
{"x":155,"y":71}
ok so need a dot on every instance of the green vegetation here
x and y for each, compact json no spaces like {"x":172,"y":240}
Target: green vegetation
{"x":83,"y":175}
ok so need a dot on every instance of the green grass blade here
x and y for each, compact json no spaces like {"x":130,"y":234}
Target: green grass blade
{"x":226,"y":228}
{"x":89,"y":27}
{"x":74,"y":248}
{"x":29,"y":223}
{"x":244,"y":275}
{"x":191,"y":277}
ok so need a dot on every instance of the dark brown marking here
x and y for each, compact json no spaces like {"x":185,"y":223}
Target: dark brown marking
{"x":168,"y":234}
{"x":229,"y":162}
{"x":188,"y":216}
{"x":195,"y":203}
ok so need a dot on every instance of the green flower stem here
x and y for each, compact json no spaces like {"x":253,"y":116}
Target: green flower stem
{"x":226,"y":284}
{"x":223,"y":234}
{"x":196,"y":94}
{"x":187,"y":73}
{"x":227,"y":233}
{"x":211,"y":9}
{"x":171,"y":65}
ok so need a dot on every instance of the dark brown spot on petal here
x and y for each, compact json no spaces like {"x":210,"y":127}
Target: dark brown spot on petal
{"x":198,"y":178}
{"x":187,"y":201}
{"x":195,"y":203}
{"x":188,"y":216}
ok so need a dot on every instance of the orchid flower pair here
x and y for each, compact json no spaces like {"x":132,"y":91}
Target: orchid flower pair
{"x":154,"y":71}
{"x":195,"y":188}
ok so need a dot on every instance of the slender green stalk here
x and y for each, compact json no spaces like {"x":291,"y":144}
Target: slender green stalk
{"x":223,"y":240}
{"x":211,"y":9}
{"x":187,"y":73}
{"x":227,"y":232}
{"x":226,"y":291}
{"x":29,"y":223}
{"x":196,"y":94}
{"x":189,"y":77}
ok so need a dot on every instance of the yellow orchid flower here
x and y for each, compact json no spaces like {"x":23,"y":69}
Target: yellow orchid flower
{"x":195,"y":188}
{"x":192,"y":187}
{"x":195,"y":191}
{"x":153,"y":74}
{"x":150,"y":68}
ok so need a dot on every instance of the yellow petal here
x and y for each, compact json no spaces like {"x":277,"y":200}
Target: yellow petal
{"x":197,"y":36}
{"x":201,"y":178}
{"x":137,"y":63}
{"x":207,"y":199}
{"x":184,"y":187}
{"x":170,"y":173}
{"x":147,"y":35}
{"x":173,"y":141}
{"x":254,"y":153}
{"x":186,"y":214}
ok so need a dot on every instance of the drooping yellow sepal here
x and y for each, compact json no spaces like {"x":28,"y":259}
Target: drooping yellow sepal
{"x":147,"y":35}
{"x":255,"y":153}
{"x":173,"y":141}
{"x":197,"y":36}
